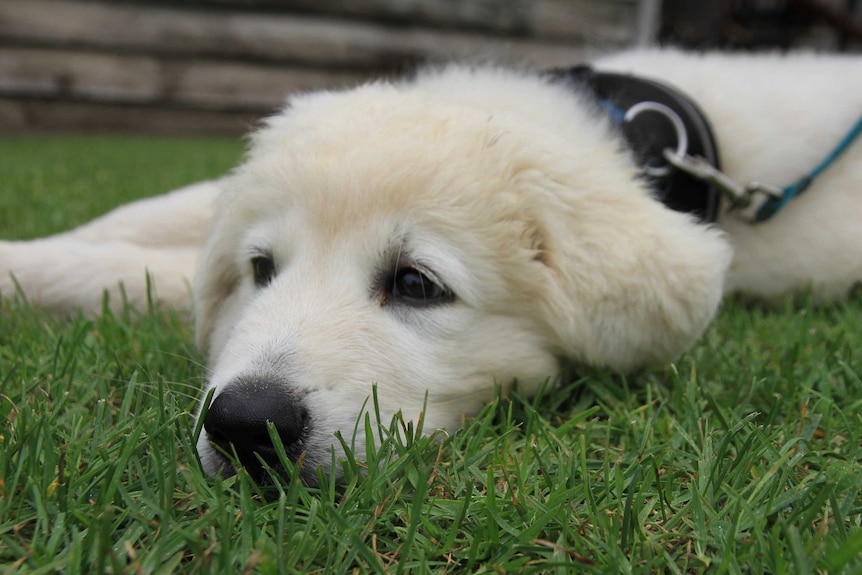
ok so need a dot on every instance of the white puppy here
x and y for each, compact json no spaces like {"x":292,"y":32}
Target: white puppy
{"x":470,"y":225}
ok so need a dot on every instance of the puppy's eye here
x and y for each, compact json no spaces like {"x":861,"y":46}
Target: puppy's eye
{"x":413,"y":287}
{"x":263,"y":267}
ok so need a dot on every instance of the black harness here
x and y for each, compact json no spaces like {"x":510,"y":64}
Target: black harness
{"x":630,"y":102}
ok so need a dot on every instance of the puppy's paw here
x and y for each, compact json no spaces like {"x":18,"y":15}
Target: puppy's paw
{"x":7,"y":284}
{"x":44,"y":272}
{"x":18,"y":269}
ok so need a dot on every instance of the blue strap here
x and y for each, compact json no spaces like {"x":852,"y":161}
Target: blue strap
{"x":772,"y":205}
{"x":616,"y":113}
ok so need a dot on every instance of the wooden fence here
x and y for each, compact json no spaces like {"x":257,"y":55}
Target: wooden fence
{"x":212,"y":67}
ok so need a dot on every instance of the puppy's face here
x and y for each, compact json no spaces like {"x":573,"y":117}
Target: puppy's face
{"x":431,"y":248}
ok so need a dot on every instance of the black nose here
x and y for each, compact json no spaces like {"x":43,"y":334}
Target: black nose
{"x":237,"y":421}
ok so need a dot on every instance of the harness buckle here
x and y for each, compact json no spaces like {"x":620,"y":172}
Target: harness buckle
{"x":746,"y":198}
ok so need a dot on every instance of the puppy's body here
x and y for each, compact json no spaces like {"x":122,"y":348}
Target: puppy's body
{"x":776,"y":117}
{"x":466,"y":227}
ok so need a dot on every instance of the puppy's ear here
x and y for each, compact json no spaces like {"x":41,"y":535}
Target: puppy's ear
{"x":630,"y":282}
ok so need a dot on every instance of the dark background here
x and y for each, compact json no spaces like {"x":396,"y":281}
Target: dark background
{"x":211,"y":67}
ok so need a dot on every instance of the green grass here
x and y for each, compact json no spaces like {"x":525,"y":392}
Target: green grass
{"x":743,"y":457}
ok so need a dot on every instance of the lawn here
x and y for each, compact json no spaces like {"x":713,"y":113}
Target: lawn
{"x":745,"y":456}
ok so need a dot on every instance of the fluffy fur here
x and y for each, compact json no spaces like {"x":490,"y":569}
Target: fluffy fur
{"x":511,"y":193}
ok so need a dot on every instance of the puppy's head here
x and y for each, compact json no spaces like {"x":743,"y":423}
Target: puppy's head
{"x":432,"y":238}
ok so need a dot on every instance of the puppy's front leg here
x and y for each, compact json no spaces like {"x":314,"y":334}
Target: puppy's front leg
{"x":63,"y":274}
{"x":180,"y":218}
{"x":158,"y":236}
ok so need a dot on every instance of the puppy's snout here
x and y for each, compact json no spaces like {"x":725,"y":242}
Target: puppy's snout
{"x":237,"y":421}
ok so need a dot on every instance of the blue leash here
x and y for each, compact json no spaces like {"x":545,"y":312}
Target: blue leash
{"x":772,"y":205}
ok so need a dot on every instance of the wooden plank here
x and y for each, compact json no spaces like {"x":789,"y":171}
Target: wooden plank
{"x":25,"y":116}
{"x":567,"y":20}
{"x":99,"y":77}
{"x":602,"y":23}
{"x":298,"y":40}
{"x":56,"y":73}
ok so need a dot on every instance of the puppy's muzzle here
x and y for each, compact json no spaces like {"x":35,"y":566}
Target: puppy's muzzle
{"x":236,"y":422}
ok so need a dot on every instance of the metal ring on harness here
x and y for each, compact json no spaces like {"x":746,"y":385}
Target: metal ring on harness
{"x":652,"y":138}
{"x":676,"y":122}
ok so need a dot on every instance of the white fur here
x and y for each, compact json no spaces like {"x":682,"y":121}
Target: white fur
{"x":510,"y":190}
